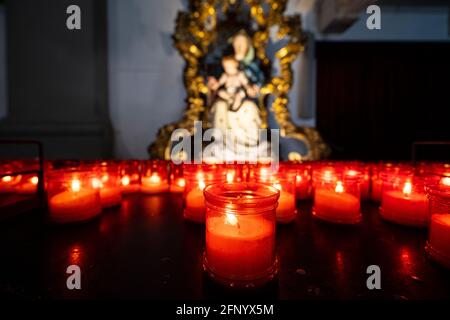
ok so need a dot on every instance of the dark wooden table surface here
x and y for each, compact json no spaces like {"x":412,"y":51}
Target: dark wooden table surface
{"x":144,"y":249}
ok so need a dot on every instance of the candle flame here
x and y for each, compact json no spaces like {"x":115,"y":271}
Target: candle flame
{"x":231,"y":219}
{"x":125,"y":180}
{"x":34,"y":180}
{"x":105,"y":178}
{"x":96,"y":183}
{"x":155,"y":178}
{"x":181,"y":183}
{"x":352,"y":173}
{"x":230,"y":177}
{"x":446,"y":181}
{"x":264,"y":172}
{"x":299,"y":178}
{"x":76,"y":185}
{"x":201,"y":184}
{"x":327,"y":175}
{"x":339,"y":187}
{"x":407,"y":188}
{"x":7,"y":179}
{"x":277,"y":186}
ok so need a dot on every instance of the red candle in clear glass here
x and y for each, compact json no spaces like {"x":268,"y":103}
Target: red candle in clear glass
{"x":282,"y":178}
{"x":403,"y":199}
{"x":303,"y":181}
{"x":177,"y":182}
{"x":155,"y":177}
{"x":363,"y":170}
{"x":438,"y":244}
{"x":106,"y":180}
{"x":376,"y":176}
{"x":197,"y":177}
{"x":336,"y":195}
{"x":72,"y":197}
{"x":130,"y":176}
{"x":240,"y":234}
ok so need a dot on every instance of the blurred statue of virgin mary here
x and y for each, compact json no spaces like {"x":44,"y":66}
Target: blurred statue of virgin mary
{"x":241,"y":123}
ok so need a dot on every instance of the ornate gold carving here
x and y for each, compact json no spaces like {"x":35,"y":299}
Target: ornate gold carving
{"x":196,"y":30}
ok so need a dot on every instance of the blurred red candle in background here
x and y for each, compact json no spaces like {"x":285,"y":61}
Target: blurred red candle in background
{"x":438,"y":245}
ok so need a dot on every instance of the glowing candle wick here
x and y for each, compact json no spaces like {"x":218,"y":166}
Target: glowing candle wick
{"x":230,"y":177}
{"x":339,"y":187}
{"x":96,"y":183}
{"x":155,"y":178}
{"x":34,"y":180}
{"x":76,"y":185}
{"x":407,"y":188}
{"x":446,"y":181}
{"x":125,"y":180}
{"x":7,"y":178}
{"x":181,"y":183}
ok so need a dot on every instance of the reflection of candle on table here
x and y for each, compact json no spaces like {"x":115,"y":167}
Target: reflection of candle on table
{"x":405,"y":206}
{"x":195,"y":204}
{"x":110,"y":196}
{"x":154,"y":184}
{"x":239,"y":246}
{"x":439,"y":238}
{"x":74,"y":204}
{"x":286,"y":209}
{"x":336,"y":206}
{"x":29,"y":187}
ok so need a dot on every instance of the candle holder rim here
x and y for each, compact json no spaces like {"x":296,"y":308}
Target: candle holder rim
{"x":214,"y":195}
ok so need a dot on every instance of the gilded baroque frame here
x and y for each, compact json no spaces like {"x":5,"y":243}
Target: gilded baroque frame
{"x":195,"y":30}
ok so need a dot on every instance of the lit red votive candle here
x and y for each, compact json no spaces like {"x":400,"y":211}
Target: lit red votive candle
{"x":129,"y":174}
{"x":303,"y":181}
{"x":282,"y":178}
{"x":155,"y":177}
{"x":177,"y":182}
{"x":106,"y":180}
{"x":71,"y":196}
{"x":336,"y":196}
{"x":438,"y":245}
{"x":403,"y":200}
{"x":240,"y":234}
{"x":197,"y":177}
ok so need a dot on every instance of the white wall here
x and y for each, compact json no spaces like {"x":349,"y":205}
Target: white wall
{"x":3,"y":69}
{"x":145,"y":72}
{"x":400,"y":24}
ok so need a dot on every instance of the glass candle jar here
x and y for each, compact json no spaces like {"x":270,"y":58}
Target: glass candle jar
{"x":130,"y":176}
{"x":197,"y":177}
{"x":303,"y":181}
{"x":240,"y":234}
{"x":28,"y":184}
{"x":72,"y":197}
{"x":177,"y":182}
{"x":403,"y":199}
{"x":283,"y":179}
{"x":155,"y":177}
{"x":438,"y":244}
{"x":106,"y":180}
{"x":363,"y":170}
{"x":336,"y":195}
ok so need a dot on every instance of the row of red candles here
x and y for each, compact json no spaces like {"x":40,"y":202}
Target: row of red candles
{"x":239,"y":214}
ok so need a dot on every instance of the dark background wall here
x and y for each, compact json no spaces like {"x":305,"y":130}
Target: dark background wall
{"x":375,"y":99}
{"x":57,"y":78}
